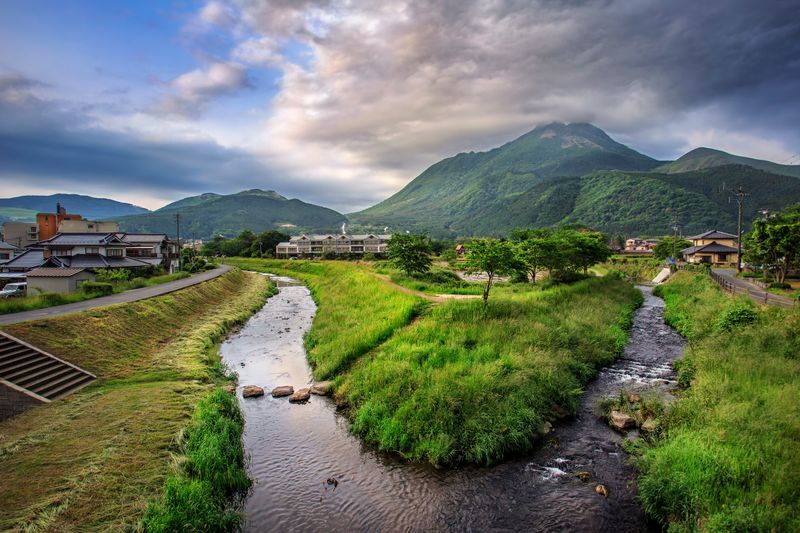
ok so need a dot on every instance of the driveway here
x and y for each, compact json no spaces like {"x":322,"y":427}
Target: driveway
{"x":755,"y":292}
{"x":123,"y":297}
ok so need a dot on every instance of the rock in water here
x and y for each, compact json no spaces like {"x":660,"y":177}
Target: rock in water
{"x":583,"y":475}
{"x":622,"y":421}
{"x":230,"y":389}
{"x":252,"y":391}
{"x":323,"y":388}
{"x":300,"y":396}
{"x":601,"y":490}
{"x":283,"y":390}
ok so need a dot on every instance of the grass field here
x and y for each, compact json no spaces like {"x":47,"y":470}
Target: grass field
{"x":462,"y":382}
{"x":40,"y":301}
{"x":95,"y":460}
{"x":730,"y":460}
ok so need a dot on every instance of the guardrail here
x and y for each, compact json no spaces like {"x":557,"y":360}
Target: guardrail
{"x":727,"y":285}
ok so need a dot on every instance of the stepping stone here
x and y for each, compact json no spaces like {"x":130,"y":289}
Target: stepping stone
{"x":283,"y":390}
{"x":252,"y":391}
{"x":300,"y":396}
{"x":323,"y":388}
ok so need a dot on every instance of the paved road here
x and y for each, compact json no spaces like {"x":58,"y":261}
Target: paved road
{"x":754,"y":291}
{"x":123,"y":297}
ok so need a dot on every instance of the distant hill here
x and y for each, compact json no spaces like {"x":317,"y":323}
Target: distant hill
{"x":444,"y":197}
{"x":210,"y":214}
{"x":708,"y":157}
{"x":88,"y":206}
{"x":560,"y":174}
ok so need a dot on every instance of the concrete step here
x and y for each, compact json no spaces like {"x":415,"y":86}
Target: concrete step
{"x":37,"y":373}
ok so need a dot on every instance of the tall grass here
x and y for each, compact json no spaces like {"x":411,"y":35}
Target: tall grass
{"x":468,"y":383}
{"x":730,"y":460}
{"x":356,"y":310}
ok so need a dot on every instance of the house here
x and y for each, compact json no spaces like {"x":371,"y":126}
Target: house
{"x":48,"y":222}
{"x":20,"y":234}
{"x":155,"y":249}
{"x":60,"y":280}
{"x":107,"y":250}
{"x":311,"y":245}
{"x":29,"y":259}
{"x":460,"y":249}
{"x":87,"y":226}
{"x":713,"y":248}
{"x":640,"y":245}
{"x":7,"y":251}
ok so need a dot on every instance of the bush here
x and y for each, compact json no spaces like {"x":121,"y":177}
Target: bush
{"x":97,"y":287}
{"x":779,"y":285}
{"x":52,"y":298}
{"x":111,"y":275}
{"x":735,"y":317}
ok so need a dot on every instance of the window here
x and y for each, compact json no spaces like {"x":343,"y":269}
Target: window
{"x":114,"y":252}
{"x":92,"y":250}
{"x":722,"y":258}
{"x":63,"y":253}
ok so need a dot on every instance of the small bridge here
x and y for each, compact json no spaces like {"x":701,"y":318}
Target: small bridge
{"x":30,"y":376}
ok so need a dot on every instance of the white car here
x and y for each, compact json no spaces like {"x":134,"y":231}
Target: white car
{"x":14,"y":289}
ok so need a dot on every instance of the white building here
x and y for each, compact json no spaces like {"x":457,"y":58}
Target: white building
{"x":311,"y":245}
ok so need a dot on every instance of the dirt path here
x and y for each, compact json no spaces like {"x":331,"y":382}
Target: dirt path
{"x":123,"y":297}
{"x":439,"y":298}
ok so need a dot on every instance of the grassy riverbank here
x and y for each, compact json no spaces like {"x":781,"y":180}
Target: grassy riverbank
{"x":463,"y":382}
{"x":97,"y":459}
{"x":730,"y":459}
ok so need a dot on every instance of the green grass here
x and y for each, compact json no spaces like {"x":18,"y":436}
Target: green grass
{"x":95,"y":460}
{"x":463,"y":382}
{"x":356,"y":310}
{"x":633,"y":268}
{"x":729,"y":459}
{"x":41,"y":301}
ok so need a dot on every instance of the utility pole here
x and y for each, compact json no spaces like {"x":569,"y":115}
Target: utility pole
{"x":178,"y":233}
{"x":675,"y":227}
{"x":741,"y":194}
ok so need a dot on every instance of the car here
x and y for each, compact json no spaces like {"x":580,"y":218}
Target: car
{"x":12,"y":290}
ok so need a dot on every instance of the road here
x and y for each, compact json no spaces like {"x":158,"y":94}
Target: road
{"x":754,"y":291}
{"x":122,"y":297}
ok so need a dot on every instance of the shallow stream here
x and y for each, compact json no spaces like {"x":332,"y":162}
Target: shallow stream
{"x":293,"y":449}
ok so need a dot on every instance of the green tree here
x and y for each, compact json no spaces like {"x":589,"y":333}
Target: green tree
{"x":775,"y":243}
{"x":493,"y":258}
{"x":667,"y":245}
{"x":410,"y":252}
{"x":535,"y":254}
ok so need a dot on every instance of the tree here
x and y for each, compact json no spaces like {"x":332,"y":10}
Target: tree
{"x":493,"y":258}
{"x":668,"y":245}
{"x":535,"y":253}
{"x":410,"y":252}
{"x":775,"y":242}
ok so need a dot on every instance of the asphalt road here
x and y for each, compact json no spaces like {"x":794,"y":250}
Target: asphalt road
{"x":754,"y":291}
{"x":122,"y":297}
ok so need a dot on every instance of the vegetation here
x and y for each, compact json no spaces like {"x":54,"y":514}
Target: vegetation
{"x":474,"y":383}
{"x":209,"y":215}
{"x":774,"y":244}
{"x":410,"y":253}
{"x":117,"y":282}
{"x":632,"y":268}
{"x":490,"y":257}
{"x":357,"y":310}
{"x":728,"y":459}
{"x":88,"y":206}
{"x":247,"y":244}
{"x":670,"y":247}
{"x":563,"y":252}
{"x":702,"y":158}
{"x":94,"y":460}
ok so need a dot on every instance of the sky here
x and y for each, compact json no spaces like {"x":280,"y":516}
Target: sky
{"x":343,"y":102}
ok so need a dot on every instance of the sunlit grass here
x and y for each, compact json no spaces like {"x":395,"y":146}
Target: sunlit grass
{"x":730,"y":460}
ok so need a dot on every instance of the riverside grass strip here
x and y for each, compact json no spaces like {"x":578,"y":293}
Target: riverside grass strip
{"x":463,"y":382}
{"x":93,"y":461}
{"x":730,"y":459}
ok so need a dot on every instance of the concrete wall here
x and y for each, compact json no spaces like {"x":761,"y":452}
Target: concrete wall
{"x":13,"y":402}
{"x":59,"y":285}
{"x":19,"y":234}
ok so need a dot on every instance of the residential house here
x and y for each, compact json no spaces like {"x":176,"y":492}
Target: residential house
{"x":640,"y":245}
{"x":29,"y":259}
{"x":314,"y":245}
{"x":7,"y":251}
{"x":108,"y":250}
{"x":712,"y":247}
{"x":20,"y":234}
{"x":153,"y":248}
{"x":60,"y":280}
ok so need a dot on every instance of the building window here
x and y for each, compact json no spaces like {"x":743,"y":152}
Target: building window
{"x":94,"y":250}
{"x":114,"y":252}
{"x":723,"y":258}
{"x":62,"y":253}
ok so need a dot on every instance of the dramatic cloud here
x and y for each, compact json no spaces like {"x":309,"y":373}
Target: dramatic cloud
{"x":195,"y":88}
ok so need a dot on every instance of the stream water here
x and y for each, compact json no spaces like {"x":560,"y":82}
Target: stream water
{"x":293,"y":449}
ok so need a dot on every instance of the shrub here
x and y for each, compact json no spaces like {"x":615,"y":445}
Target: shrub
{"x":52,"y":298}
{"x":779,"y":285}
{"x":110,"y":275}
{"x":97,"y":287}
{"x":735,"y":317}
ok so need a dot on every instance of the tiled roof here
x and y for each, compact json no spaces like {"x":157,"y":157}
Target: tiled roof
{"x":153,"y":238}
{"x":713,"y":247}
{"x":30,"y":258}
{"x":45,"y":272}
{"x":333,"y":237}
{"x":713,"y":234}
{"x":83,"y":239}
{"x":98,"y":261}
{"x":7,"y":246}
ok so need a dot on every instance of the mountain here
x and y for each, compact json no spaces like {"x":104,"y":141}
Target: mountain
{"x":88,"y":206}
{"x":575,"y":173}
{"x":708,"y":158}
{"x":210,"y":214}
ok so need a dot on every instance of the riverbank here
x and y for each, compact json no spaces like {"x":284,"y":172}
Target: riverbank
{"x":95,"y":460}
{"x":729,"y":459}
{"x":463,"y":383}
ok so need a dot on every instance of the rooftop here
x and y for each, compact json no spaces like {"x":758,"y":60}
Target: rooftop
{"x":713,"y":234}
{"x":47,"y":272}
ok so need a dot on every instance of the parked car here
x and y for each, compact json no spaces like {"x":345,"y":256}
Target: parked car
{"x":14,"y":289}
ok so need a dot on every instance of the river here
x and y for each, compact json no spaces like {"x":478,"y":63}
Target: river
{"x":294,"y":448}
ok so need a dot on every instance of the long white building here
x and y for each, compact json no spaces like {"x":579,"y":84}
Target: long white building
{"x":310,"y":245}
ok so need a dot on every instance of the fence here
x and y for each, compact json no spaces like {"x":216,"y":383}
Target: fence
{"x":727,"y":284}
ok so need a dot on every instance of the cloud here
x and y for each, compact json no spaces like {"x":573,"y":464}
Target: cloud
{"x":259,"y":51}
{"x":217,"y":14}
{"x":192,"y":90}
